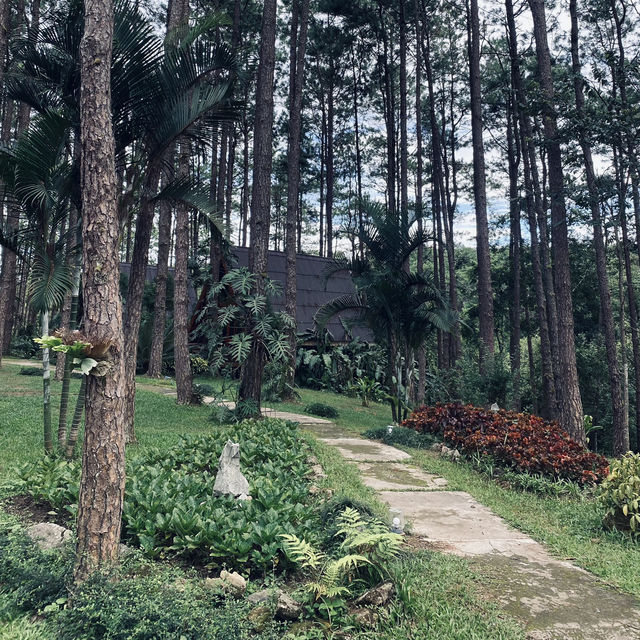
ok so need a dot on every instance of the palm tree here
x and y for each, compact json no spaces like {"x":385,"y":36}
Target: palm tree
{"x":399,"y":306}
{"x":157,"y":95}
{"x":39,"y":177}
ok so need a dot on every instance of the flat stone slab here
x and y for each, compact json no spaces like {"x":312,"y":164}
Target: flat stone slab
{"x":393,"y":476}
{"x":559,"y":601}
{"x":359,"y":450}
{"x":457,"y":520}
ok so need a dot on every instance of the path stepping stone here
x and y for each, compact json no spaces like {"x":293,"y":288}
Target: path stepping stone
{"x":393,"y":476}
{"x":359,"y":450}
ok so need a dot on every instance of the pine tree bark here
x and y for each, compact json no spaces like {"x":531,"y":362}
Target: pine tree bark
{"x":571,"y":413}
{"x":103,"y":461}
{"x":485,"y":288}
{"x":251,"y":382}
{"x":297,"y":53}
{"x":620,"y":424}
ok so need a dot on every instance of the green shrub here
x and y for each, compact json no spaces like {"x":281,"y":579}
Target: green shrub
{"x":170,"y":508}
{"x":162,"y":604}
{"x":199,"y":366}
{"x":30,"y":579}
{"x":400,"y":436}
{"x":620,"y":494}
{"x":30,"y":371}
{"x":322,"y":410}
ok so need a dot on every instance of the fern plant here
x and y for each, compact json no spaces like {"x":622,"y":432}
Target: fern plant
{"x":366,"y":548}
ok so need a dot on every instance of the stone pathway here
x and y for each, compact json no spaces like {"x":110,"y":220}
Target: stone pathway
{"x":555,"y":599}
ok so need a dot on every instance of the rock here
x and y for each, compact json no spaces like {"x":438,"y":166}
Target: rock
{"x":49,"y":536}
{"x":452,"y":454}
{"x":215,"y":584}
{"x":234,"y":581}
{"x":365,"y":617}
{"x":244,"y":496}
{"x":287,"y":608}
{"x":259,"y":618}
{"x":125,"y":550}
{"x":436,"y":446}
{"x":318,"y":471}
{"x":312,"y":460}
{"x":229,"y":479}
{"x":260,"y":597}
{"x":378,"y":596}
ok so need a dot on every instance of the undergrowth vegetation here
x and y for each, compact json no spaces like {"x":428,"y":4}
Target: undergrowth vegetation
{"x":170,"y":508}
{"x":518,"y":441}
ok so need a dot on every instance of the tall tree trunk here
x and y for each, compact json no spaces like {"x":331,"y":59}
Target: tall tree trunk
{"x":485,"y":288}
{"x":571,"y":414}
{"x":513,"y":155}
{"x":251,"y":382}
{"x":620,"y":424}
{"x":422,"y":353}
{"x":533,"y":202}
{"x":103,"y":460}
{"x":297,"y":52}
{"x":404,"y":142}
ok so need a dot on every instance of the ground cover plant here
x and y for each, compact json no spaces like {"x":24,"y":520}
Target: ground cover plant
{"x":320,"y":409}
{"x":400,"y":436}
{"x":170,"y":508}
{"x":519,"y":441}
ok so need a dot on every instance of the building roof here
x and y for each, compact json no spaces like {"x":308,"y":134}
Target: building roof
{"x":314,"y":289}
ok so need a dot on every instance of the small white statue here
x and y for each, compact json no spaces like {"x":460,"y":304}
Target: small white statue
{"x":229,"y":479}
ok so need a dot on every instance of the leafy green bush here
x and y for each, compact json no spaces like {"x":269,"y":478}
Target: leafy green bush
{"x":160,"y":605}
{"x":620,"y":493}
{"x":170,"y":508}
{"x":30,"y":371}
{"x":199,"y":366}
{"x":320,"y":409}
{"x":400,"y":436}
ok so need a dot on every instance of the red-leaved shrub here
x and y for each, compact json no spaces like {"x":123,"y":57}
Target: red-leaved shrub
{"x":519,"y":441}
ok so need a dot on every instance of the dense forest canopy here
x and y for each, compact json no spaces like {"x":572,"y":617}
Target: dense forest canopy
{"x":503,"y":136}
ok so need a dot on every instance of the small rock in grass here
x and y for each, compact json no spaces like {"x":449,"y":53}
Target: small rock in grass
{"x":365,"y":617}
{"x":259,"y":597}
{"x":287,"y":608}
{"x":436,"y":446}
{"x":378,"y":596}
{"x":49,"y":536}
{"x":215,"y":584}
{"x":234,"y":581}
{"x":259,"y":618}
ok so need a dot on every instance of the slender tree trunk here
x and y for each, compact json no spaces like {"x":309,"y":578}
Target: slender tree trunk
{"x":404,"y":142}
{"x":330,"y":167}
{"x":46,"y":387}
{"x":135,"y":293}
{"x":485,"y":288}
{"x":297,"y":52}
{"x":251,"y":382}
{"x":160,"y":305}
{"x":184,"y":383}
{"x":103,"y":460}
{"x":571,"y":414}
{"x":513,"y":155}
{"x":620,"y":424}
